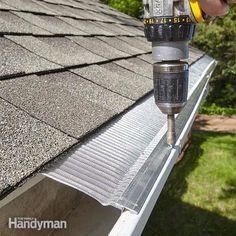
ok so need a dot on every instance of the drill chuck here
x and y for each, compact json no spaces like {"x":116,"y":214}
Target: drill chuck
{"x":166,"y":29}
{"x":170,"y":85}
{"x":170,"y":91}
{"x":169,"y":36}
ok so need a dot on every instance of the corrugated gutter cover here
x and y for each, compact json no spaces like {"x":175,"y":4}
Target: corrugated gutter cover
{"x":119,"y":165}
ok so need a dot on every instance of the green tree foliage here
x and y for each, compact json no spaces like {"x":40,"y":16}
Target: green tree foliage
{"x":217,"y":37}
{"x":130,"y":7}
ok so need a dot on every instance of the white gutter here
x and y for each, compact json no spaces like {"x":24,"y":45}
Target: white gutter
{"x":131,"y":224}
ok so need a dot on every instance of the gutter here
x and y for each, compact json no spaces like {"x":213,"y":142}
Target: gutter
{"x":21,"y":190}
{"x":131,"y":224}
{"x":120,"y":164}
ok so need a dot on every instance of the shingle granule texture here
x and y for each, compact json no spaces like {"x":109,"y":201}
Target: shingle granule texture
{"x":115,"y":28}
{"x":10,"y":23}
{"x":58,"y":50}
{"x":99,"y":47}
{"x":146,"y":57}
{"x":89,"y":27}
{"x":50,"y":23}
{"x":65,"y":101}
{"x":115,"y":68}
{"x":6,"y":7}
{"x":27,"y":5}
{"x":121,"y":45}
{"x":29,"y":142}
{"x":145,"y":46}
{"x":138,"y":66}
{"x":17,"y":60}
{"x":116,"y":82}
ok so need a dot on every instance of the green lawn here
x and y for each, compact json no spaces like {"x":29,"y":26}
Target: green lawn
{"x":199,"y":197}
{"x":213,"y":109}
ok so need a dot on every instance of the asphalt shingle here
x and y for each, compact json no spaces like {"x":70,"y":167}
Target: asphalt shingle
{"x":108,"y":10}
{"x":68,"y":7}
{"x":28,"y":5}
{"x":50,"y":23}
{"x":17,"y":60}
{"x":10,"y":23}
{"x":130,"y":21}
{"x":138,"y":66}
{"x":62,"y":2}
{"x":99,"y":47}
{"x":91,"y":15}
{"x":147,"y":57}
{"x":115,"y":68}
{"x":87,"y":26}
{"x":121,"y":45}
{"x":81,"y":14}
{"x":71,"y":53}
{"x":25,"y":144}
{"x":134,"y":30}
{"x":64,"y":100}
{"x":64,"y":10}
{"x":144,"y":46}
{"x":6,"y":7}
{"x":58,"y":50}
{"x":70,"y":3}
{"x":131,"y":87}
{"x":121,"y":14}
{"x":115,"y":28}
{"x":108,"y":18}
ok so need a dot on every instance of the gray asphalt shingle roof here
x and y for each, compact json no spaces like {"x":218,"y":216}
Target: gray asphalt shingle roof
{"x":26,"y":143}
{"x":17,"y":60}
{"x":66,"y":68}
{"x":11,"y":23}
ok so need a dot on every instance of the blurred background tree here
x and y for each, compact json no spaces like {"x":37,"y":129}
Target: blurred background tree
{"x":217,"y":37}
{"x":131,"y":7}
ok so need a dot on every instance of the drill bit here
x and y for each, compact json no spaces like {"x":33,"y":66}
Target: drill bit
{"x":171,"y":136}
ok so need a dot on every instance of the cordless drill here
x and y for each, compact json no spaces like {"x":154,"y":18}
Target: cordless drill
{"x":170,"y":25}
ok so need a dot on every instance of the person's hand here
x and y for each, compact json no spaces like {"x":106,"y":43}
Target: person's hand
{"x":215,"y":7}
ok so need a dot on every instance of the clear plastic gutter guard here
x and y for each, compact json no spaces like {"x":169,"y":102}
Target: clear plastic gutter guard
{"x":119,"y":165}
